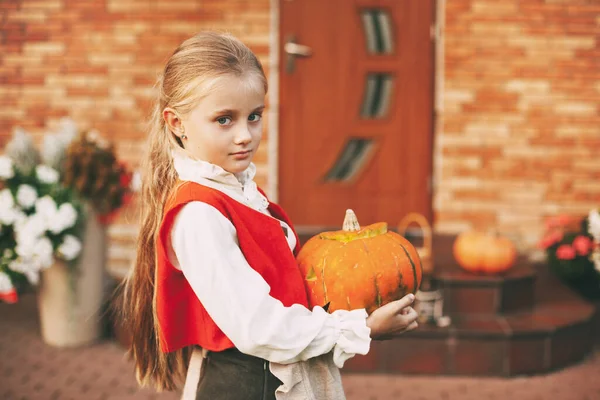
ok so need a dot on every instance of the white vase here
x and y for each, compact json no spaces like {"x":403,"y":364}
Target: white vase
{"x":70,"y":306}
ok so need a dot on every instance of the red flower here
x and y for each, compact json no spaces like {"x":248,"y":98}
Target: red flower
{"x":10,"y":296}
{"x":583,"y":245}
{"x":565,"y":252}
{"x":125,"y":179}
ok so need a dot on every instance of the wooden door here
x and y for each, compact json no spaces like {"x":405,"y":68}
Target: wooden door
{"x":356,"y":115}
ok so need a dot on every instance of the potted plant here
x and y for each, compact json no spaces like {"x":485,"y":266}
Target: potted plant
{"x":54,"y":208}
{"x":569,"y":246}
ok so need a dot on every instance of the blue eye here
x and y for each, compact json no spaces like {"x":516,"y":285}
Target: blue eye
{"x":224,"y":120}
{"x":254,"y":117}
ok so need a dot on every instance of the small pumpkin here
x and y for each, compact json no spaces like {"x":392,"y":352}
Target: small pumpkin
{"x":484,"y":253}
{"x":359,"y":267}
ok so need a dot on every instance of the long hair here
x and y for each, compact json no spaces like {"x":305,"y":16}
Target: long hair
{"x":184,"y":81}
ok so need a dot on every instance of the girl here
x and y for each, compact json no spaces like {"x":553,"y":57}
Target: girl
{"x":215,"y":282}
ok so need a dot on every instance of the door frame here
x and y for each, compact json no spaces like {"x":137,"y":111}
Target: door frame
{"x":273,"y":98}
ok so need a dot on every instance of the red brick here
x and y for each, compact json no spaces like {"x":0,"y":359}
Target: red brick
{"x":556,"y":46}
{"x":477,"y":64}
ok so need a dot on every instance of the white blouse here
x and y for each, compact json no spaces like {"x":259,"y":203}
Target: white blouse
{"x":204,"y":246}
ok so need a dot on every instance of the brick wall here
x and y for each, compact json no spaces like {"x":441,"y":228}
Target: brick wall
{"x":97,"y":61}
{"x":520,"y":131}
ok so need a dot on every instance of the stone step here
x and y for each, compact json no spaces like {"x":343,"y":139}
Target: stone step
{"x":466,"y":293}
{"x":559,"y":330}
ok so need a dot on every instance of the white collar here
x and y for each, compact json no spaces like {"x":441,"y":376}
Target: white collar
{"x":240,"y":186}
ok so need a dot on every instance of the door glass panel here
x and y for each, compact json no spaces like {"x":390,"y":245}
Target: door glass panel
{"x":353,"y":157}
{"x":377,"y":25}
{"x":378,"y":92}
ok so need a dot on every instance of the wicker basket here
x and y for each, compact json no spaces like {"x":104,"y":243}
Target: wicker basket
{"x":425,"y":252}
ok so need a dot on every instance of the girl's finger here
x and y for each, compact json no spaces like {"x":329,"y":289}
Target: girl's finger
{"x":410,"y":316}
{"x":412,"y":326}
{"x":407,"y":310}
{"x":404,"y":302}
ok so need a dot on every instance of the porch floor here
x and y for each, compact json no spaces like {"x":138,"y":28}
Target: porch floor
{"x":30,"y":370}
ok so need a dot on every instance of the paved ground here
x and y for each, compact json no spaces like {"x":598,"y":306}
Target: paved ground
{"x":30,"y":370}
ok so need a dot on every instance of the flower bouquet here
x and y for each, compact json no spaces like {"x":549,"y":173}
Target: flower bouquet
{"x":569,"y":246}
{"x":594,"y":229}
{"x":40,"y":218}
{"x":54,"y":207}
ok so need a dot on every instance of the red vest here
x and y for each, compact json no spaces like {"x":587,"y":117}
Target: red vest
{"x":182,"y":319}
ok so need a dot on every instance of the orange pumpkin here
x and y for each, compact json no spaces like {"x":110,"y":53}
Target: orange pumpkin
{"x":485,"y":253}
{"x":359,"y":268}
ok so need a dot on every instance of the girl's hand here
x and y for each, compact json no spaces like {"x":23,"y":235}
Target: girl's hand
{"x":393,"y":319}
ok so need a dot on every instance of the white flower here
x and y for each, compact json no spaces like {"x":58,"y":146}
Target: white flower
{"x":22,"y":151}
{"x":6,"y":168}
{"x":8,"y":216}
{"x":46,"y":174}
{"x":31,"y":246}
{"x":68,"y":129}
{"x":70,"y":247}
{"x":46,"y":208}
{"x":5,"y":283}
{"x":27,"y":268}
{"x":43,"y":252}
{"x":55,"y":224}
{"x":65,"y":218}
{"x":136,"y":182}
{"x":55,"y":145}
{"x":30,"y":228}
{"x":594,"y":224}
{"x":7,"y":210}
{"x":19,"y":217}
{"x":26,"y":196}
{"x":53,"y":151}
{"x":6,"y":199}
{"x":68,"y":213}
{"x":34,"y":254}
{"x":25,"y":247}
{"x":595,"y":258}
{"x":16,"y":265}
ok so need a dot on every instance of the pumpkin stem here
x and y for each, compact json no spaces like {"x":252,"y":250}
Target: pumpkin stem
{"x":350,"y":222}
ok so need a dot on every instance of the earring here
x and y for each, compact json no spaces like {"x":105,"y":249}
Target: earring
{"x":183,"y":136}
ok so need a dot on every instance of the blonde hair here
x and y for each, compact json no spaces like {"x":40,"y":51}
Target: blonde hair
{"x":186,"y":78}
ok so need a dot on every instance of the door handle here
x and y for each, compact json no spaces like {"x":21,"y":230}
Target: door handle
{"x":298,"y":50}
{"x":294,"y":50}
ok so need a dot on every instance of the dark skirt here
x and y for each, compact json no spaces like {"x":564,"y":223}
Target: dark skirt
{"x":232,"y":375}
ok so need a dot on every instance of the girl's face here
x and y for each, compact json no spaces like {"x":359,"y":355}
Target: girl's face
{"x":225,"y":127}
